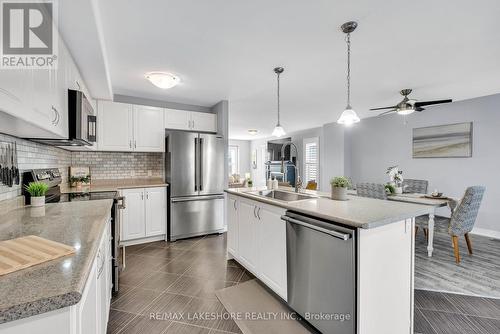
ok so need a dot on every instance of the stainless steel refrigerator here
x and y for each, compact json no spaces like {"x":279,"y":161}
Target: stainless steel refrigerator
{"x":194,"y":169}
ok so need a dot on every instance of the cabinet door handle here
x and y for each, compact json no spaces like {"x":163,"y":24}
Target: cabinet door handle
{"x":135,"y":144}
{"x":234,"y":205}
{"x":254,"y":214}
{"x":258,"y":213}
{"x":142,"y":196}
{"x":55,"y":120}
{"x":130,"y":144}
{"x":147,"y":195}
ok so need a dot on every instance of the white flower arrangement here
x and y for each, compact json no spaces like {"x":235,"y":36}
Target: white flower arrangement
{"x":395,"y":175}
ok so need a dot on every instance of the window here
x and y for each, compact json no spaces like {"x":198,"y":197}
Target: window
{"x":234,"y":158}
{"x":311,"y":160}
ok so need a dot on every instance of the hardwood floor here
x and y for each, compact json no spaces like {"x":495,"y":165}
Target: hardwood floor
{"x":164,"y":280}
{"x":477,"y":274}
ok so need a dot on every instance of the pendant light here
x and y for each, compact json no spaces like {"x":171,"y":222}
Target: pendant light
{"x":349,"y":116}
{"x":278,"y":130}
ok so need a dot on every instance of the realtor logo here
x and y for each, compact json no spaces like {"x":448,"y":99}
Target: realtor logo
{"x":28,"y":35}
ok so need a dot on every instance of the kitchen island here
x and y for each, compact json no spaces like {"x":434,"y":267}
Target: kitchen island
{"x":365,"y":272}
{"x":66,"y":295}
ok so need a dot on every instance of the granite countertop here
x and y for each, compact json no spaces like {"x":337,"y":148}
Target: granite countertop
{"x":58,"y":283}
{"x":114,"y":185}
{"x":358,"y":212}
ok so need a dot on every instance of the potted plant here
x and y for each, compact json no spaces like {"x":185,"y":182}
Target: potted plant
{"x":78,"y":181}
{"x":396,"y":178}
{"x":390,"y":189}
{"x":37,"y":191}
{"x":339,"y":188}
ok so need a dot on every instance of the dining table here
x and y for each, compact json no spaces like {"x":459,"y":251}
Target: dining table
{"x":423,"y":199}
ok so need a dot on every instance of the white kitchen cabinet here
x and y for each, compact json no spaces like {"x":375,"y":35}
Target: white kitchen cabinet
{"x":177,"y":119}
{"x":149,"y":131}
{"x":133,"y":223}
{"x":232,"y":225}
{"x":272,"y":249}
{"x":103,"y":288}
{"x":204,"y":122}
{"x":247,"y":235}
{"x":145,"y":213}
{"x":256,"y":237}
{"x":125,"y":127}
{"x":156,"y":208}
{"x":115,"y":126}
{"x":190,"y":120}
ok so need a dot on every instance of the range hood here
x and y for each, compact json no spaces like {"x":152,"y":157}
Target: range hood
{"x":82,"y":128}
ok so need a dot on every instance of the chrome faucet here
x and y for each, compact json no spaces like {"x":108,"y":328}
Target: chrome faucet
{"x":298,"y":181}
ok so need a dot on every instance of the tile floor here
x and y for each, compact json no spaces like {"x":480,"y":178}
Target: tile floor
{"x":183,"y":276}
{"x":177,"y":277}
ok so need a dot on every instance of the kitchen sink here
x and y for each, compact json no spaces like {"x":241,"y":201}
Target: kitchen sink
{"x":284,"y":196}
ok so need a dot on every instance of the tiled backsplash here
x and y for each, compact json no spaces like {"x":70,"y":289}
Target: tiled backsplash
{"x":120,"y":165}
{"x":32,"y":155}
{"x":103,"y":165}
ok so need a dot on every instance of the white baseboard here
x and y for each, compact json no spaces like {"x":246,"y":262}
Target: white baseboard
{"x":142,"y":240}
{"x":486,"y":233}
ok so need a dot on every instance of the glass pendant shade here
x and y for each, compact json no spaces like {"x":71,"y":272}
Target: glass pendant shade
{"x":348,"y":117}
{"x":405,"y":111}
{"x":278,"y":131}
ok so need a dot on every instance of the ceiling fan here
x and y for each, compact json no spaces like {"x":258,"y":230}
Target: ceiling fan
{"x":408,"y":106}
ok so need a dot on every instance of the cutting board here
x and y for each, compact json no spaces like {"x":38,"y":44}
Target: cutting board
{"x":24,"y":252}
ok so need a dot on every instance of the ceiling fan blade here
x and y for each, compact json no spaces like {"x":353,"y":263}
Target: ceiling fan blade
{"x":428,"y":103}
{"x":387,"y":112}
{"x":393,"y":107}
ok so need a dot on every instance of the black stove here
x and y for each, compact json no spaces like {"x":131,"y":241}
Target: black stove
{"x":85,"y":196}
{"x":52,"y":178}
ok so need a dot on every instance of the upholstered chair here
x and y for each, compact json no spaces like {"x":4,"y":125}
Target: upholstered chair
{"x":463,"y":217}
{"x":373,"y":190}
{"x":415,"y":186}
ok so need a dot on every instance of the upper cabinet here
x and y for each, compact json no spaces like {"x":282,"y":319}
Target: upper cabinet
{"x":125,"y":127}
{"x":114,"y":126}
{"x":149,"y":133}
{"x":190,"y":120}
{"x":34,"y":102}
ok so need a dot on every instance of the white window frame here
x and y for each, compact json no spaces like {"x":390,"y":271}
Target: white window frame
{"x":237,"y":162}
{"x":305,"y":142}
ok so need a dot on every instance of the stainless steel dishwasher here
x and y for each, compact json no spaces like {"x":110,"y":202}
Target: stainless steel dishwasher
{"x":321,"y":268}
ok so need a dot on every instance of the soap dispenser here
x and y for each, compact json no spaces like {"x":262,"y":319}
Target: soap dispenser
{"x":269,"y":183}
{"x":275,"y":184}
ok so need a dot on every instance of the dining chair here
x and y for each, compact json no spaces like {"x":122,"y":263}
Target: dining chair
{"x":415,"y":186}
{"x":373,"y":190}
{"x":463,"y":217}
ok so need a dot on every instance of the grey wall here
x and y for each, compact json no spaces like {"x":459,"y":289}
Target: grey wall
{"x":244,"y":149}
{"x":379,"y":142}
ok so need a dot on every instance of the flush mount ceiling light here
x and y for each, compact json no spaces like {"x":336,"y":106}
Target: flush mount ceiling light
{"x":253,"y":132}
{"x":163,"y":80}
{"x":278,"y":129}
{"x":349,"y":116}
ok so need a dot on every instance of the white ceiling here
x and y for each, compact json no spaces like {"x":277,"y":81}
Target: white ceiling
{"x":227,"y":49}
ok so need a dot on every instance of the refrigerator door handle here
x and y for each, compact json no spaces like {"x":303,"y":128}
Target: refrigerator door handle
{"x":196,"y":198}
{"x":200,"y":185}
{"x":196,"y":164}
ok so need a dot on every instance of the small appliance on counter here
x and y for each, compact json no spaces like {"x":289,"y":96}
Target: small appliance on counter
{"x":52,"y":178}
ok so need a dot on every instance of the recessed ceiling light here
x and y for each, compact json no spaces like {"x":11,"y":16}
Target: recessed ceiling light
{"x":163,"y":80}
{"x":253,"y":132}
